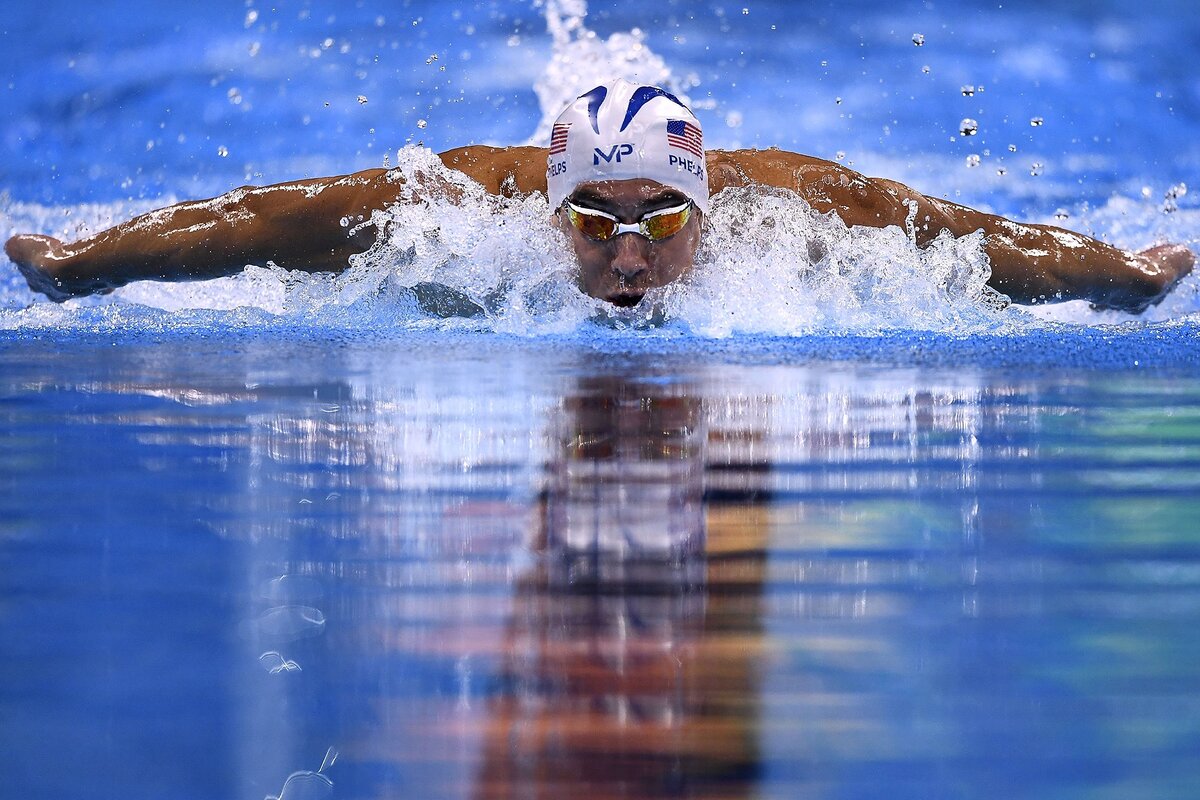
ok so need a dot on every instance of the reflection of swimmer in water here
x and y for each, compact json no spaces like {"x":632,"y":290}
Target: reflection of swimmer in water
{"x":623,"y":159}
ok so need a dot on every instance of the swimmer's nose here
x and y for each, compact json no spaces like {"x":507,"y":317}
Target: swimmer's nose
{"x":630,"y":259}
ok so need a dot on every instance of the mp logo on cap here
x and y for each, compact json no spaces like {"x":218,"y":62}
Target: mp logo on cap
{"x":616,"y":151}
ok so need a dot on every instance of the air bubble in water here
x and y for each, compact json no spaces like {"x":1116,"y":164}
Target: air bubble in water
{"x":344,"y":222}
{"x":745,"y":11}
{"x":222,"y":151}
{"x":1061,"y":214}
{"x":274,"y":663}
{"x":973,"y":160}
{"x":968,"y":90}
{"x":918,"y":39}
{"x":432,"y":58}
{"x":925,"y":69}
{"x":968,"y":127}
{"x":362,"y":99}
{"x":421,"y":124}
{"x":1012,"y":148}
{"x":1036,"y":122}
{"x":1001,"y":171}
{"x":837,"y":101}
{"x":839,"y":155}
{"x":1035,"y":169}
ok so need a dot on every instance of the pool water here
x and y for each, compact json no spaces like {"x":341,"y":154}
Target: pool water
{"x":846,"y":530}
{"x":535,"y":568}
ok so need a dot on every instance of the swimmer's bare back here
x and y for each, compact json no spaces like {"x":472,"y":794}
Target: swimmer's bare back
{"x":298,"y":225}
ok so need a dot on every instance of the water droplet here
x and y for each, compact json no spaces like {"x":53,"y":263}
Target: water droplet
{"x":968,"y":127}
{"x":380,"y":21}
{"x":362,"y":99}
{"x":432,"y":58}
{"x":918,"y":39}
{"x":1171,"y":198}
{"x":973,"y":160}
{"x":251,"y":17}
{"x":344,"y":222}
{"x":839,"y":155}
{"x":925,"y":69}
{"x":421,"y":124}
{"x":222,"y":151}
{"x":733,"y":119}
{"x":824,"y":63}
{"x":1012,"y":148}
{"x":968,"y":90}
{"x":255,"y":47}
{"x":772,"y":27}
{"x":514,"y":41}
{"x":1035,"y":169}
{"x":1146,"y":192}
{"x":745,"y":11}
{"x":1061,"y":214}
{"x":1036,"y":122}
{"x":328,"y":43}
{"x":235,"y":96}
{"x":1001,"y":171}
{"x":837,"y":101}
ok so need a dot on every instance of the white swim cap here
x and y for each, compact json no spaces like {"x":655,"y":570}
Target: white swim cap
{"x":624,"y":130}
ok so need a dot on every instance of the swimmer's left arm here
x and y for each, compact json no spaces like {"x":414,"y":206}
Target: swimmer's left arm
{"x":1029,"y":263}
{"x":1045,"y":264}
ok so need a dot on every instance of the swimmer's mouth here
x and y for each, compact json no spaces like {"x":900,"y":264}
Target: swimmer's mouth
{"x":625,"y":299}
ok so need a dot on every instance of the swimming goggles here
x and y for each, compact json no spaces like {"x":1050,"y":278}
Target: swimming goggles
{"x":655,"y":226}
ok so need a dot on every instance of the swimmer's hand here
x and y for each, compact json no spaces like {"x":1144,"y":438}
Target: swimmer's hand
{"x":1163,"y":266}
{"x":42,"y":260}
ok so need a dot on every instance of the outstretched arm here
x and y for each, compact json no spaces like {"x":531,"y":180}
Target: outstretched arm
{"x":1029,"y":263}
{"x":1045,"y":264}
{"x":296,"y":225}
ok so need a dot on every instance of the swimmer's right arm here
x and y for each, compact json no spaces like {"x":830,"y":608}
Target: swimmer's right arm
{"x":297,"y":225}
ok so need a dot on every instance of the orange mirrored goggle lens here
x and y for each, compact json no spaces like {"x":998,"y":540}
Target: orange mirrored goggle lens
{"x":654,"y":226}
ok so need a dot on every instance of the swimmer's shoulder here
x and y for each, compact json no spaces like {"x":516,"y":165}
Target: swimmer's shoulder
{"x":773,"y":167}
{"x":504,"y":171}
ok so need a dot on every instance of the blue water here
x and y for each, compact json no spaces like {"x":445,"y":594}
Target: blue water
{"x":874,"y":538}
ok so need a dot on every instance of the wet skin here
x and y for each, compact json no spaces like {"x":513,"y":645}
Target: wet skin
{"x":296,"y":225}
{"x":622,"y":269}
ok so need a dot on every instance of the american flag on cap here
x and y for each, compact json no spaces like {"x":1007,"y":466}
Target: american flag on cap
{"x":685,"y":136}
{"x":558,"y":138}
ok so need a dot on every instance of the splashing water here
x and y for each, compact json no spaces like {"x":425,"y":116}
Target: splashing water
{"x":768,"y":263}
{"x":581,"y":60}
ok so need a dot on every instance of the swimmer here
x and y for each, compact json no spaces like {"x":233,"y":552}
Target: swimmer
{"x":629,"y":183}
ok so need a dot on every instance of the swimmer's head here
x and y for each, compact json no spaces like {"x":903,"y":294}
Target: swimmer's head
{"x":628,"y":180}
{"x":622,"y":130}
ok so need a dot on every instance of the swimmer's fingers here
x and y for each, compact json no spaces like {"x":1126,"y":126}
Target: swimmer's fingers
{"x":1174,"y":261}
{"x":37,"y":257}
{"x":1165,"y":265}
